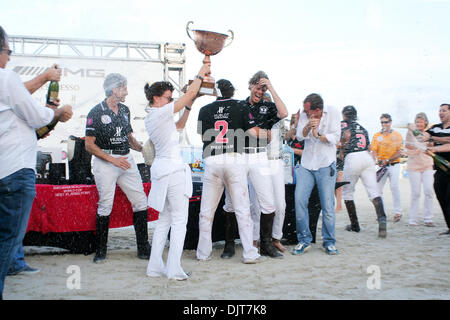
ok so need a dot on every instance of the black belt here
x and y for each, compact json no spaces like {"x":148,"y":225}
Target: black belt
{"x":255,"y":149}
{"x":116,"y":151}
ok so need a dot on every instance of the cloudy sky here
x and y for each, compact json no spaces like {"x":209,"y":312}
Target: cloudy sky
{"x":381,"y":56}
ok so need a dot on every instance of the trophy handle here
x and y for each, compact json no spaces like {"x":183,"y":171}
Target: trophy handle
{"x":232,"y":38}
{"x":187,"y":30}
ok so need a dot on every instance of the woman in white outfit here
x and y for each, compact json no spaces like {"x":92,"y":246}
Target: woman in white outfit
{"x":420,"y":173}
{"x":170,"y":177}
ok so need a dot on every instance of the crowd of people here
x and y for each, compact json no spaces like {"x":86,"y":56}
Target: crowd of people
{"x":242,"y":152}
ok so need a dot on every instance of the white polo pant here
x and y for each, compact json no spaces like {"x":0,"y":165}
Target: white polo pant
{"x":108,"y":175}
{"x":393,"y":173}
{"x":228,"y":171}
{"x":276,"y":178}
{"x":417,"y":180}
{"x":359,"y":165}
{"x":174,"y":218}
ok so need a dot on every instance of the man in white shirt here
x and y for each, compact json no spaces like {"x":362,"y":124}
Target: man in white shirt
{"x":20,"y":115}
{"x":320,"y":127}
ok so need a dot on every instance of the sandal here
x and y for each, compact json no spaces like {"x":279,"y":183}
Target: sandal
{"x":397,"y":217}
{"x":429,"y":224}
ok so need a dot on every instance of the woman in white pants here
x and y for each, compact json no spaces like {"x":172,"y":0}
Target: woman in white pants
{"x":170,"y":177}
{"x":420,"y":173}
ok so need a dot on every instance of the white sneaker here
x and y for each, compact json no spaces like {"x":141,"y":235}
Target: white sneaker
{"x":254,"y":261}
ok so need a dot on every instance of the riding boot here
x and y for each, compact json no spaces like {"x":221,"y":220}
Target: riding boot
{"x":101,"y":230}
{"x":141,"y":229}
{"x":382,"y":224}
{"x":266,"y":246}
{"x":351,"y":210}
{"x":230,"y":235}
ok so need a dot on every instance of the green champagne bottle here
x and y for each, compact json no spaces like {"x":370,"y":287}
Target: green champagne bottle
{"x":52,"y":96}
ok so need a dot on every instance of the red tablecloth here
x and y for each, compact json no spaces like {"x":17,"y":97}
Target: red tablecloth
{"x":70,"y":208}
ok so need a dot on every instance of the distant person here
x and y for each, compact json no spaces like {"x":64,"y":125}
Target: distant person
{"x":319,"y":126}
{"x":20,"y":116}
{"x":171,"y":178}
{"x":439,"y":136}
{"x":420,"y":173}
{"x":358,"y":163}
{"x":387,"y":149}
{"x":109,"y":137}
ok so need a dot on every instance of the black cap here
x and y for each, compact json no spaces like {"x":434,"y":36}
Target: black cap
{"x":224,"y":84}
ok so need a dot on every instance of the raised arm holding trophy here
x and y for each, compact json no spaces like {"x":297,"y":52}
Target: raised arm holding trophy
{"x":209,"y":43}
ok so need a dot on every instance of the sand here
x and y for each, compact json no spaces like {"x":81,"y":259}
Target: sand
{"x":412,"y":263}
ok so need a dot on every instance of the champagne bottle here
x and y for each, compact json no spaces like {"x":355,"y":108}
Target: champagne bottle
{"x":439,"y":161}
{"x":52,"y":96}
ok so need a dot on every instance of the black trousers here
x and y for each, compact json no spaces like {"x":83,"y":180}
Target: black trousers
{"x":442,"y":190}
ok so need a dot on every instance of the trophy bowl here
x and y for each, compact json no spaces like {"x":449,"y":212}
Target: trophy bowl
{"x":208,"y":42}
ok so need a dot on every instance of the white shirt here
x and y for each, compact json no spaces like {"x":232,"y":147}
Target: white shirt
{"x":274,"y":148}
{"x":317,"y":154}
{"x":20,"y":115}
{"x":162,"y":131}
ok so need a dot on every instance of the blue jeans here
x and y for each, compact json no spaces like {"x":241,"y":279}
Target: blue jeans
{"x":17,"y":192}
{"x":18,"y":262}
{"x":325,"y":178}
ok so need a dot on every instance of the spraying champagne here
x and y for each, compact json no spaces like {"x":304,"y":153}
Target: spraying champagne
{"x":52,"y":97}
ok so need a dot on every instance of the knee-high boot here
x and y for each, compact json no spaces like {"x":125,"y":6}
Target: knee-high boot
{"x":382,"y":224}
{"x":101,"y":230}
{"x":266,"y":246}
{"x":141,"y":229}
{"x":230,"y":235}
{"x":351,"y":210}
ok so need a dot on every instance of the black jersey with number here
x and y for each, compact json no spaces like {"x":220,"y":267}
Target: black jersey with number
{"x":222,"y":125}
{"x":109,"y":129}
{"x":263,"y":115}
{"x":359,"y":137}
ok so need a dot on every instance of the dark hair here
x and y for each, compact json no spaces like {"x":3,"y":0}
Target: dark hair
{"x":315,"y":100}
{"x":350,"y":112}
{"x":387,"y":116}
{"x":3,"y":39}
{"x":157,"y":89}
{"x":445,"y":104}
{"x":226,"y":88}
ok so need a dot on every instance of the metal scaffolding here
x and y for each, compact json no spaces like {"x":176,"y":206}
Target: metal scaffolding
{"x":171,"y":55}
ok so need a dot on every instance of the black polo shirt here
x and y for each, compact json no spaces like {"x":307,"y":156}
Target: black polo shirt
{"x":223,"y":124}
{"x":109,"y":129}
{"x":263,"y":115}
{"x":438,"y":130}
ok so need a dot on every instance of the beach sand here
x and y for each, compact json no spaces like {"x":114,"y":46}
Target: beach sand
{"x":412,"y":263}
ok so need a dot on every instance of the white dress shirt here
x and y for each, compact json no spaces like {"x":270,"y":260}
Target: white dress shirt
{"x":318,"y":154}
{"x":20,"y":115}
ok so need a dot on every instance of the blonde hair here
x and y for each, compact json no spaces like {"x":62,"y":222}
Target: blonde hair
{"x":421,"y":115}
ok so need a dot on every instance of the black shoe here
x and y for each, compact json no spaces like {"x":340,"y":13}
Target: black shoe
{"x":141,"y":230}
{"x":230,"y":235}
{"x":351,"y":210}
{"x":102,"y":228}
{"x":350,"y":227}
{"x":228,"y":250}
{"x":382,"y":228}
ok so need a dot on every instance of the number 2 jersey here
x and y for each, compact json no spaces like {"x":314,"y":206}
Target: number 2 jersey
{"x":222,"y":125}
{"x":359,"y":137}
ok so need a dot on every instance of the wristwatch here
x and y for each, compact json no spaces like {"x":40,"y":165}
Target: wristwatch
{"x":187,"y":108}
{"x":199,"y":77}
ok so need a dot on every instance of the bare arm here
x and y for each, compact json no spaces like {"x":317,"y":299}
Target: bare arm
{"x":134,"y":144}
{"x":189,"y":97}
{"x":181,"y":123}
{"x":52,"y":74}
{"x":282,"y":111}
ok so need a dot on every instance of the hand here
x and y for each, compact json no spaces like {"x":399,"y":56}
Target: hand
{"x":313,"y":123}
{"x":424,"y":137}
{"x":205,"y":70}
{"x":121,"y":163}
{"x":64,"y":113}
{"x":53,"y":74}
{"x":266,"y":82}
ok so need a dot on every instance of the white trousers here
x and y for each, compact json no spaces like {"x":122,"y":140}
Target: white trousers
{"x":417,"y":180}
{"x":108,"y":175}
{"x":276,"y":178}
{"x":393,"y":173}
{"x":359,"y":165}
{"x":230,"y":172}
{"x":174,"y":218}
